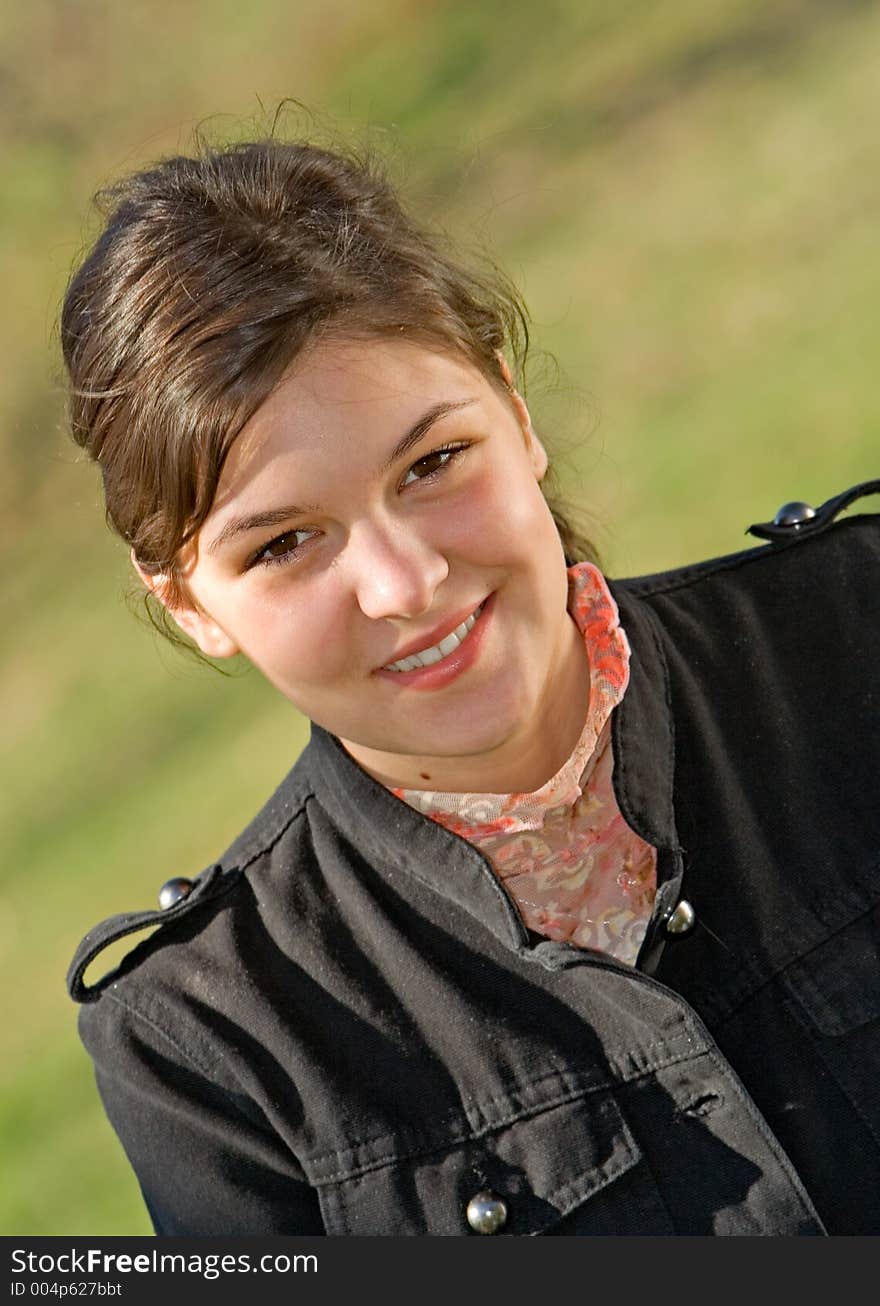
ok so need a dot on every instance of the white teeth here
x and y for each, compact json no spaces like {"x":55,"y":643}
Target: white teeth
{"x":451,"y":641}
{"x":426,"y":657}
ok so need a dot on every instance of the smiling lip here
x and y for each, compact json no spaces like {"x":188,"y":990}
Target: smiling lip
{"x":438,"y":674}
{"x":432,"y":637}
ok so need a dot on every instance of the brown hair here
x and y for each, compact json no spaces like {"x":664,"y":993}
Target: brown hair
{"x":211,"y":274}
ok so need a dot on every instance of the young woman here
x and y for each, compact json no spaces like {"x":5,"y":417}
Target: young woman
{"x":565,"y":922}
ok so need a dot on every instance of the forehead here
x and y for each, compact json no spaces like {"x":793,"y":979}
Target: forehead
{"x":342,"y":398}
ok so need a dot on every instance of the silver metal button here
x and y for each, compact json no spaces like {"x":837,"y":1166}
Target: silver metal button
{"x":681,"y":919}
{"x":174,"y":891}
{"x":794,"y":514}
{"x":486,"y":1212}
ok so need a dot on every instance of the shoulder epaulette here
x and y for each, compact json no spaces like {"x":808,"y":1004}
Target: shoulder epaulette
{"x":178,"y":898}
{"x":799,"y":519}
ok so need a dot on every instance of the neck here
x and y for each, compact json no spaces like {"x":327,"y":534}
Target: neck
{"x":522,"y":763}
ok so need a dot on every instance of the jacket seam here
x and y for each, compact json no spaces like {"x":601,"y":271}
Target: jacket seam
{"x":726,"y":1071}
{"x":205,"y":1068}
{"x":682,"y":578}
{"x":464,"y":1136}
{"x":151,"y":1023}
{"x":749,"y":968}
{"x":584,"y":1086}
{"x":274,"y":838}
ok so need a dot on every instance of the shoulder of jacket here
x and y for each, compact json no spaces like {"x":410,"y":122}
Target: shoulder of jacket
{"x":792,"y":526}
{"x":181,"y":899}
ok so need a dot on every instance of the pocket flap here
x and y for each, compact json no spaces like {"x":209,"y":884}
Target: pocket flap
{"x":838,"y":983}
{"x":542,"y":1167}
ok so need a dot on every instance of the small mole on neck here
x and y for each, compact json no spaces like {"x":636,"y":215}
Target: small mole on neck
{"x":424,"y":775}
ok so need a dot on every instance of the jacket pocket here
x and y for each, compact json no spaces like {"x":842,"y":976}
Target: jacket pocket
{"x":834,"y":995}
{"x":836,"y":987}
{"x":571,"y":1168}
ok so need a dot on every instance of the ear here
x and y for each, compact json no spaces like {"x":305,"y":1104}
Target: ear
{"x":537,"y":453}
{"x":192,"y":619}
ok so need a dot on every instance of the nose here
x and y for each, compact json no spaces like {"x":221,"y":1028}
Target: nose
{"x":396,"y":572}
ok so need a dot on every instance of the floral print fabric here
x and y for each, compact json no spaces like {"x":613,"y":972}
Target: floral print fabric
{"x":574,"y":868}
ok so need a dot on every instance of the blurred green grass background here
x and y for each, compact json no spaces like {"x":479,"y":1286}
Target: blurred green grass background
{"x":688,"y":195}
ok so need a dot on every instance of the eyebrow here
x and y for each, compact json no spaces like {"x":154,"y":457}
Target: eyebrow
{"x":277,"y":516}
{"x":423,"y":425}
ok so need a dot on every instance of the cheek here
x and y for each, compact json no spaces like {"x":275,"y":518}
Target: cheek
{"x":499,"y":519}
{"x":297,"y":639}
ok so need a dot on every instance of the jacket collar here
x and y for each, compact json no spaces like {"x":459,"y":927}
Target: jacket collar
{"x":394,"y":837}
{"x":642,"y":727}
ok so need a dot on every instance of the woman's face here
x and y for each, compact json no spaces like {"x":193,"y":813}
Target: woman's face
{"x":382,"y":497}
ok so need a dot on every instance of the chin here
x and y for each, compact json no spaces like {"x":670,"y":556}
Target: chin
{"x":477,"y":726}
{"x":469,"y":740}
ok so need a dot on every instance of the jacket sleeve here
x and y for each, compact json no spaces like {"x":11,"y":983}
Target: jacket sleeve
{"x":207,"y":1160}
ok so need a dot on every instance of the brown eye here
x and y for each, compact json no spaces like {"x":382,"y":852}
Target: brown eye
{"x":433,"y":463}
{"x":282,"y":549}
{"x":282,"y":545}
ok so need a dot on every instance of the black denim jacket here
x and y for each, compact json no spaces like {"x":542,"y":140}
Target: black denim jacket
{"x":345,"y":1028}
